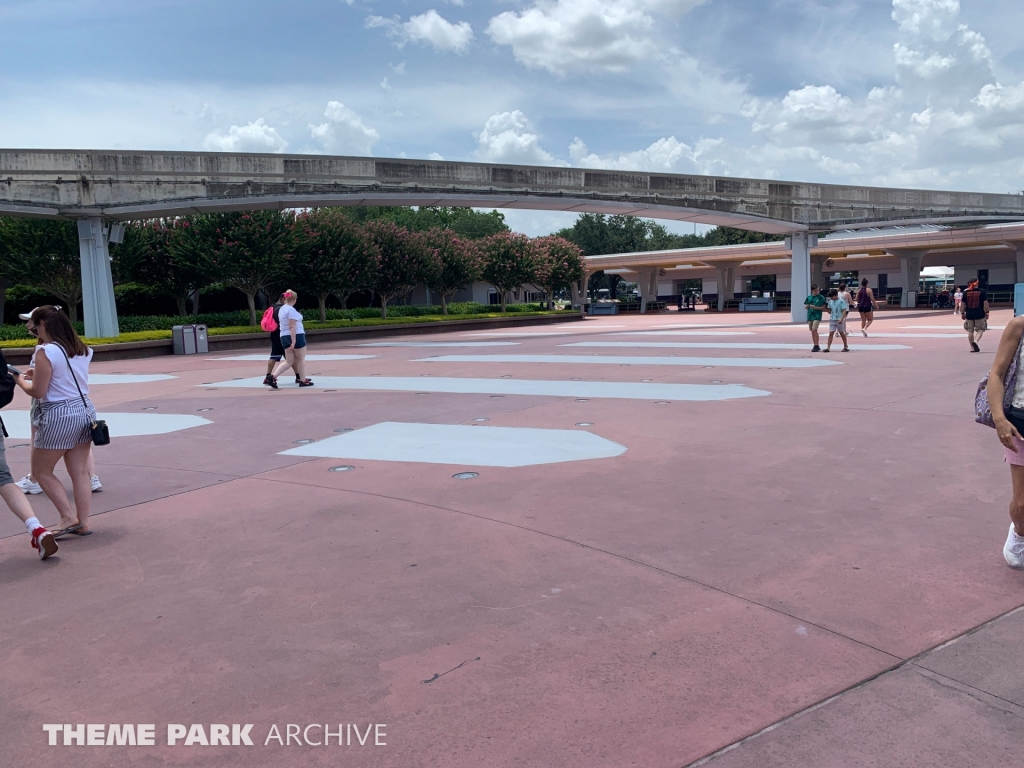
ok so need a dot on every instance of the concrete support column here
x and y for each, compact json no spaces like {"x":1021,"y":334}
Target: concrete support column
{"x":97,"y":282}
{"x":800,"y":244}
{"x":643,"y":284}
{"x":910,"y":274}
{"x":818,"y":270}
{"x":1018,"y":247}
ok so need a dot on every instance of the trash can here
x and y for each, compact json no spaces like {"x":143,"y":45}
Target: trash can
{"x":190,"y":339}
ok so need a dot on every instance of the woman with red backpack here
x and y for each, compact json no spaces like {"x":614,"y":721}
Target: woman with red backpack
{"x":293,"y":341}
{"x":272,"y":323}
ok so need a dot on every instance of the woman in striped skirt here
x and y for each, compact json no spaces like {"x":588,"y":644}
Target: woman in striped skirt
{"x":63,"y":420}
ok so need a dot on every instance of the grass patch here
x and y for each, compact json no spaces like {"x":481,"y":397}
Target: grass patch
{"x":313,"y":325}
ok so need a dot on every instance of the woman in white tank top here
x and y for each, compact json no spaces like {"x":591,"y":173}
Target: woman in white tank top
{"x":60,"y":381}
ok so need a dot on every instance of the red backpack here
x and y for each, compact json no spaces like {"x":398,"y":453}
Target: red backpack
{"x":268,"y":323}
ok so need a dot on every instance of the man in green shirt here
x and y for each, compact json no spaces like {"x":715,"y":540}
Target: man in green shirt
{"x":814,"y":303}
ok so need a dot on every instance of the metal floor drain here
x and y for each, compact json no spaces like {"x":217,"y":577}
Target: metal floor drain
{"x":582,"y":400}
{"x":465,"y":475}
{"x":481,"y":419}
{"x":497,"y":395}
{"x":150,"y":408}
{"x":662,"y":402}
{"x":646,"y":379}
{"x":343,"y":430}
{"x":302,"y":442}
{"x":584,"y":424}
{"x":200,"y":410}
{"x":422,"y":393}
{"x":342,"y":468}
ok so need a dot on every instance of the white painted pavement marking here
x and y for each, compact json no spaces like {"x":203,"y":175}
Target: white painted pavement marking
{"x":462,"y":445}
{"x":721,"y":345}
{"x":127,"y":378}
{"x":439,"y":344}
{"x":120,"y":424}
{"x":311,"y":358}
{"x":949,"y":327}
{"x":736,"y":362}
{"x":588,"y":389}
{"x":684,"y":333}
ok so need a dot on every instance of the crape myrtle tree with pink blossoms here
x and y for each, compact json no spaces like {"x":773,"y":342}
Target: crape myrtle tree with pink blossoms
{"x":559,"y":265}
{"x":509,"y":262}
{"x":450,"y":263}
{"x":333,"y":256}
{"x":174,"y":255}
{"x":252,"y":250}
{"x":400,"y":260}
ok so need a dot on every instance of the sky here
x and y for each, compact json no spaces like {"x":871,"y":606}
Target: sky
{"x":914,"y":93}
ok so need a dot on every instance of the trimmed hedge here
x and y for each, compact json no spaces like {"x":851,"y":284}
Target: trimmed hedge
{"x":130,"y":324}
{"x":357,"y":322}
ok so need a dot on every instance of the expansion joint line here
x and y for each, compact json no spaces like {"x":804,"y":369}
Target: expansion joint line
{"x":609,"y":553}
{"x":911,"y":662}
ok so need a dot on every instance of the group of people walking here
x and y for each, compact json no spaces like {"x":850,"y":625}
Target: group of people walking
{"x":287,"y":341}
{"x":838,"y":302}
{"x":62,"y":418}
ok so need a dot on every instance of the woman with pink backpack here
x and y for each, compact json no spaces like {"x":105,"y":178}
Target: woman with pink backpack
{"x":272,"y":324}
{"x":293,"y":341}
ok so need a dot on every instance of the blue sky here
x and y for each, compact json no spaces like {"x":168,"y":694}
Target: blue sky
{"x":892,"y":92}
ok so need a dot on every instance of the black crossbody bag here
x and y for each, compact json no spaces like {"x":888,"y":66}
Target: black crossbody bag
{"x":100,"y":433}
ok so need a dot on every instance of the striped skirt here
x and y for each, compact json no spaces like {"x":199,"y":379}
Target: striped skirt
{"x":63,"y":424}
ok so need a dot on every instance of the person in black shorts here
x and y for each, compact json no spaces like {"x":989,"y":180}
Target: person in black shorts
{"x":276,"y":350}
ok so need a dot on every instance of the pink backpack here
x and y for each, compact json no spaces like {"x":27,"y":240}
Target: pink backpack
{"x":268,"y":323}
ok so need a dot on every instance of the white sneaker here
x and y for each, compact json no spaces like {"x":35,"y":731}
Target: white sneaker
{"x":1013,"y":549}
{"x":96,"y":484}
{"x":27,"y":486}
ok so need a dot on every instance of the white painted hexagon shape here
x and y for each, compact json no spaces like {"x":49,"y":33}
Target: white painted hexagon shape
{"x":462,"y":445}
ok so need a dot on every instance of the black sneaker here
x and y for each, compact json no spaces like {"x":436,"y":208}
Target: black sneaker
{"x":975,"y":347}
{"x":272,"y":383}
{"x":816,"y":348}
{"x":268,"y":380}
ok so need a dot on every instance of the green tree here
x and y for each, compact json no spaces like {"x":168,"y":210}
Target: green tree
{"x":333,"y":256}
{"x":559,"y":264}
{"x":400,"y":257}
{"x":510,"y":261}
{"x":252,"y":250}
{"x":450,"y":263}
{"x":172,"y":255}
{"x":467,"y":223}
{"x":45,"y":254}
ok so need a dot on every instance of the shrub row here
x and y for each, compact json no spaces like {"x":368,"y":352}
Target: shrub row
{"x":131,"y":324}
{"x":240,"y":326}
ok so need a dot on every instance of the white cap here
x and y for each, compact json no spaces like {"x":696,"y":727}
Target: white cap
{"x":28,"y":315}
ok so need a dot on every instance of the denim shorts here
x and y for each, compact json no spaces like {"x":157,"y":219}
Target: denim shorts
{"x":300,"y":341}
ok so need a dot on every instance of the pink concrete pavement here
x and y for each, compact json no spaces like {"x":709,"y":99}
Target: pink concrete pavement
{"x":742,"y":561}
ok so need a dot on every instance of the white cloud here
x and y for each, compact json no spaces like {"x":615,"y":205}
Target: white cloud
{"x":936,"y":19}
{"x":344,"y":132}
{"x":435,"y":156}
{"x":663,"y":156}
{"x":254,"y":137}
{"x":570,"y":35}
{"x":508,"y":138}
{"x":945,"y":121}
{"x":430,"y":27}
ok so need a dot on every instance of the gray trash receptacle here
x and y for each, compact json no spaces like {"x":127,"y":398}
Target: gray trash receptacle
{"x":202,"y":342}
{"x":190,"y":339}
